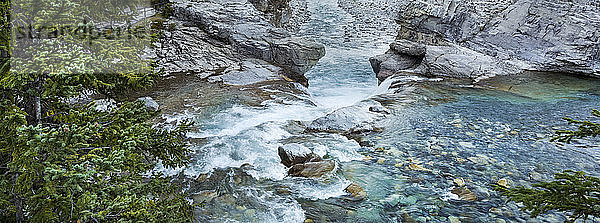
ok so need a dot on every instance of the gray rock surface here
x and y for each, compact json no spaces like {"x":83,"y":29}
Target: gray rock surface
{"x":485,"y":38}
{"x":234,"y":40}
{"x":149,"y":103}
{"x":293,"y":153}
{"x":312,"y":169}
{"x":351,"y":119}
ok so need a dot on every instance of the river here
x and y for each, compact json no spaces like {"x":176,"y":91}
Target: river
{"x":453,"y":129}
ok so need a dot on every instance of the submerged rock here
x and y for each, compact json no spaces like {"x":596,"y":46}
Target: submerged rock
{"x":464,"y":193}
{"x":356,"y":191}
{"x":293,"y":153}
{"x":503,"y":182}
{"x":312,"y":169}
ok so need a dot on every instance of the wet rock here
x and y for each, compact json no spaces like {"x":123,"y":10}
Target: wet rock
{"x":391,"y":200}
{"x":459,"y":182}
{"x":467,"y":145}
{"x":293,"y":153}
{"x":356,"y":191}
{"x":407,"y":219}
{"x":325,"y":211}
{"x":464,"y":193}
{"x":204,"y":197}
{"x":417,"y":167}
{"x":352,"y":119}
{"x":250,"y":212}
{"x":453,"y":219}
{"x":496,"y":211}
{"x":149,"y":103}
{"x":312,"y":169}
{"x":407,"y":201}
{"x":535,"y":176}
{"x":503,"y":182}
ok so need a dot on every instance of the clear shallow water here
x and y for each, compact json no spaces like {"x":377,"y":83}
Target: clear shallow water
{"x":498,"y":129}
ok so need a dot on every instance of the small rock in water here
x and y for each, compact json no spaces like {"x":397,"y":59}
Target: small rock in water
{"x":535,"y":176}
{"x":503,"y":182}
{"x":464,"y":193}
{"x":204,"y":197}
{"x":417,"y":167}
{"x":479,"y":159}
{"x":459,"y":182}
{"x":392,"y":200}
{"x":356,"y":191}
{"x":454,"y":219}
{"x":496,"y":211}
{"x":410,"y":200}
{"x":407,"y":219}
{"x":467,"y":145}
{"x":149,"y":103}
{"x":312,"y":169}
{"x":250,"y":212}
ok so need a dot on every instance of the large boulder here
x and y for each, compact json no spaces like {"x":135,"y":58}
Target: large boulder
{"x":293,"y":153}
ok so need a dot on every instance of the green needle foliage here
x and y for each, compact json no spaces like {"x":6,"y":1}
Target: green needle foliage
{"x":62,"y":161}
{"x":585,"y":129}
{"x":571,"y":191}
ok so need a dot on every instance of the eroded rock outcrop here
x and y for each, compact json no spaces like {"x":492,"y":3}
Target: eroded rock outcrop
{"x":216,"y":37}
{"x":481,"y":39}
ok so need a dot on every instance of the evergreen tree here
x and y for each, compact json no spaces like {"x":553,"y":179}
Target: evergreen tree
{"x":62,"y":161}
{"x":571,"y":191}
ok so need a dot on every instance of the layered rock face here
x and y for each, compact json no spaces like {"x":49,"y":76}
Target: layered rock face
{"x":233,"y":41}
{"x":485,"y":38}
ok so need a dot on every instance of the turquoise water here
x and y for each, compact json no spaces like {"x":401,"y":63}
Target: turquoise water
{"x":497,"y":129}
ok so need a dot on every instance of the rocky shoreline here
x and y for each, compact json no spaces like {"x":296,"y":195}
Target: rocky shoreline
{"x":232,"y":42}
{"x":483,"y":39}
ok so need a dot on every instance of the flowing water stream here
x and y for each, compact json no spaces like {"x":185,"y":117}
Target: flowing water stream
{"x":450,"y":128}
